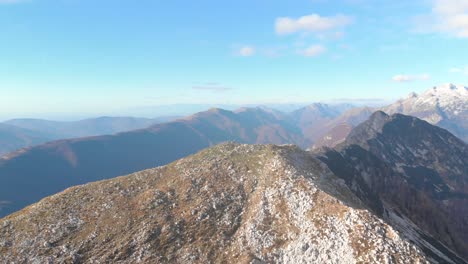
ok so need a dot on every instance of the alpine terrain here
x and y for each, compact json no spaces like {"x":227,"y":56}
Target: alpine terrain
{"x":411,"y":173}
{"x":279,"y":134}
{"x":445,"y":106}
{"x":228,"y":204}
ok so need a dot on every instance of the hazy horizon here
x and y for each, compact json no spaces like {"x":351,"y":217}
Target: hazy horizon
{"x":156,"y":111}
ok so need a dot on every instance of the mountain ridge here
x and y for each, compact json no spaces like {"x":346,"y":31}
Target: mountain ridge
{"x":52,"y":167}
{"x":13,"y":138}
{"x":27,"y":130}
{"x":241,"y":203}
{"x":444,"y":105}
{"x":406,"y":168}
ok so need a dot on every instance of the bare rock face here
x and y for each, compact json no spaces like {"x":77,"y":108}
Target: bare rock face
{"x":413,"y":174}
{"x":228,"y":204}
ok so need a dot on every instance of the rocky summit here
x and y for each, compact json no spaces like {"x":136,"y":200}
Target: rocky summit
{"x":413,"y":174}
{"x":227,"y":204}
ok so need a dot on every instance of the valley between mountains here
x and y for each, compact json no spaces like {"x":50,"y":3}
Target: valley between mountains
{"x":374,"y":187}
{"x":43,"y":170}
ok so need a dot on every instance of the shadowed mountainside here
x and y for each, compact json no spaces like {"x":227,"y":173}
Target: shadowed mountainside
{"x":46,"y":169}
{"x":88,"y":127}
{"x":13,"y":138}
{"x":20,"y":133}
{"x":413,"y":174}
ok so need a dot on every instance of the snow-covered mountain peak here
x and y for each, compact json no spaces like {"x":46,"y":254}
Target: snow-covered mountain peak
{"x":452,"y":98}
{"x":448,"y":96}
{"x":448,"y":89}
{"x":442,"y":95}
{"x":412,"y":95}
{"x":445,"y":105}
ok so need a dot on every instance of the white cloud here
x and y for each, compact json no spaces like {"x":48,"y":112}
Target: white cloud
{"x":246,"y":51}
{"x":311,"y":23}
{"x":410,"y":78}
{"x":313,"y":50}
{"x":459,"y":70}
{"x":455,"y":70}
{"x":401,"y":78}
{"x":212,"y":87}
{"x":447,"y":16}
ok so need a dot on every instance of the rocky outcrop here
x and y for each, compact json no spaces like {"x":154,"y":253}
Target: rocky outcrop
{"x":413,"y":174}
{"x":227,"y":204}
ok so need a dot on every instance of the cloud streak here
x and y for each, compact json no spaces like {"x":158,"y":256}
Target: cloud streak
{"x":361,"y":101}
{"x":246,"y":51}
{"x":310,"y":23}
{"x":313,"y":51}
{"x":409,"y":78}
{"x":459,"y":70}
{"x":212,"y":87}
{"x":447,"y":16}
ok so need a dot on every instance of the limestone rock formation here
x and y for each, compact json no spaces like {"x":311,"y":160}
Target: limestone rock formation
{"x":228,"y":204}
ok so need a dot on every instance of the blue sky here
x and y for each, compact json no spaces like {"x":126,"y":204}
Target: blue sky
{"x":93,"y":57}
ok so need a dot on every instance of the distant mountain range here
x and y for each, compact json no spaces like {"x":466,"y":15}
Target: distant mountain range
{"x":312,"y":119}
{"x":19,"y":133}
{"x":321,"y":124}
{"x":13,"y":138}
{"x":395,"y":191}
{"x":189,"y":109}
{"x":445,"y":106}
{"x":336,"y":130}
{"x":46,"y":169}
